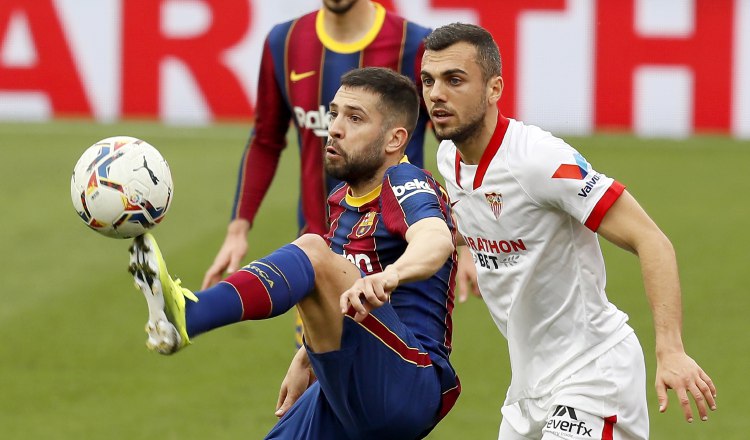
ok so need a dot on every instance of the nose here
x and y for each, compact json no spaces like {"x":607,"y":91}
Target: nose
{"x":335,"y":128}
{"x":436,"y":93}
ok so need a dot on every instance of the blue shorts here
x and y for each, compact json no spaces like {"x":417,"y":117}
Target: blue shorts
{"x":381,"y":384}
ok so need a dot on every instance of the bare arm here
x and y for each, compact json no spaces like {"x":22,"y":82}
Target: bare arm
{"x":430,"y":245}
{"x":628,"y":226}
{"x":466,"y":275}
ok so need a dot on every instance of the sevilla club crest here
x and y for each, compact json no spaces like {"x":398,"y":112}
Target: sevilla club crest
{"x":495,"y":201}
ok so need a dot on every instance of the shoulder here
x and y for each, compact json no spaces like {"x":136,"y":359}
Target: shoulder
{"x":280,"y":31}
{"x":337,"y":194}
{"x":535,"y":149}
{"x":403,"y":172}
{"x":412,"y":27}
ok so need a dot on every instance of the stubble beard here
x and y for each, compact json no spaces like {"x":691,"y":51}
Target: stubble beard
{"x":361,"y":168}
{"x":468,"y":130}
{"x":339,"y":8}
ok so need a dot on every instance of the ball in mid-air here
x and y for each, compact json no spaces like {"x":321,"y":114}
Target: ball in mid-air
{"x":121,"y":187}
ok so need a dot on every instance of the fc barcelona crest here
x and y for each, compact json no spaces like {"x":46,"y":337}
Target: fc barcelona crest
{"x":366,"y":224}
{"x":495,"y":201}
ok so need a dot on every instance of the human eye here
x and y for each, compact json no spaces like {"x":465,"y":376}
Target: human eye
{"x":427,"y":81}
{"x":455,"y":81}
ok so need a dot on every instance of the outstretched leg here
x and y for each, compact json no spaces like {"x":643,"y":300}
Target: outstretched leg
{"x":306,"y":273}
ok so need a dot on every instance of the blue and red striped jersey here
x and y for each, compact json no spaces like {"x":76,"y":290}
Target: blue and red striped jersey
{"x":370,"y":232}
{"x":300,"y":72}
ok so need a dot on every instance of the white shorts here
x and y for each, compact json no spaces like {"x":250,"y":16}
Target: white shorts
{"x":606,"y":399}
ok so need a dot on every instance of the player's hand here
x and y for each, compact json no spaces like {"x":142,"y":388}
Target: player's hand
{"x":369,"y":293}
{"x":230,"y":255}
{"x":298,"y":378}
{"x":681,"y":373}
{"x":466,"y":275}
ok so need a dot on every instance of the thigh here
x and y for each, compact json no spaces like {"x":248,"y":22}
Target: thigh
{"x":612,"y":390}
{"x":310,"y":418}
{"x":522,"y":420}
{"x":568,"y":423}
{"x":381,"y":381}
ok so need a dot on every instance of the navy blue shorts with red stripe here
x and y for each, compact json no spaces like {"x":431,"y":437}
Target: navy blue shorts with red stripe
{"x":381,"y":384}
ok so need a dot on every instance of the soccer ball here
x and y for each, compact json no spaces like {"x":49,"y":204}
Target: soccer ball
{"x":121,"y":187}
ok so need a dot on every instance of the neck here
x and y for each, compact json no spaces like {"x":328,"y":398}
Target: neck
{"x":352,"y":25}
{"x":363,"y":188}
{"x":472,"y":149}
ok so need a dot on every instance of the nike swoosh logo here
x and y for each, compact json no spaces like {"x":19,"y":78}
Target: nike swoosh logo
{"x":454,"y":203}
{"x":294,"y":76}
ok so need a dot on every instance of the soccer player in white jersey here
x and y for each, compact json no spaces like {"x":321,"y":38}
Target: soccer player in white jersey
{"x":529,"y":208}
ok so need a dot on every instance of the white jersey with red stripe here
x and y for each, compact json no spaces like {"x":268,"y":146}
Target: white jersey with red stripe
{"x":529,"y":211}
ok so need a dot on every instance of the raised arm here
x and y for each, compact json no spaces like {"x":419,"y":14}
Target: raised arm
{"x":628,"y":226}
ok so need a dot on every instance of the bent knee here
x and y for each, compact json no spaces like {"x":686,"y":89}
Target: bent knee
{"x":314,"y":246}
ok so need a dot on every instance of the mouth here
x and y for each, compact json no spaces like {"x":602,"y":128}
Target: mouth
{"x":440,"y":115}
{"x":331,"y":149}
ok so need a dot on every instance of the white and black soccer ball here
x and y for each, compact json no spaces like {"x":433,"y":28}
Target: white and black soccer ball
{"x":121,"y":187}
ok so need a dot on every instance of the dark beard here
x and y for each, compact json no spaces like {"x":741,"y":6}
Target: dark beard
{"x":461,"y":134}
{"x":360,"y":169}
{"x":339,"y":9}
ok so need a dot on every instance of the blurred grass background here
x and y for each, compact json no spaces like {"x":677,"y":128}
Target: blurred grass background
{"x":72,"y":357}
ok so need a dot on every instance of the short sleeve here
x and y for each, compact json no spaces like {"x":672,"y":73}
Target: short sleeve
{"x":408,"y":195}
{"x":555,"y":175}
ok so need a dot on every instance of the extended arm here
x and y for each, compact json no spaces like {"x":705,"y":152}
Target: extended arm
{"x":430,"y":245}
{"x":628,"y":226}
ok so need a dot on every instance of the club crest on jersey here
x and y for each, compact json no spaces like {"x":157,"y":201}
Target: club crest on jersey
{"x":568,"y":171}
{"x":365,"y":225}
{"x":495,"y":201}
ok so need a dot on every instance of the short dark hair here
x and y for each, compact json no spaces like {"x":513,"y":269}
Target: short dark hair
{"x":488,"y":54}
{"x":399,"y":99}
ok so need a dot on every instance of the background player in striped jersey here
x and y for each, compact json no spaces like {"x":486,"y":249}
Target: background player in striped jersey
{"x":529,"y":207}
{"x":379,"y":350}
{"x":302,"y":62}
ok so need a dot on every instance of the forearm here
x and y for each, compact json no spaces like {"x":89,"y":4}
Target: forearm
{"x":662,"y":285}
{"x":430,"y":245}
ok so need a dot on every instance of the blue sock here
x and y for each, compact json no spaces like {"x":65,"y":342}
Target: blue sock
{"x":263,"y":289}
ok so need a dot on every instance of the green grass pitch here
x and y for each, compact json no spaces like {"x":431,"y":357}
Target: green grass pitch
{"x":72,"y":358}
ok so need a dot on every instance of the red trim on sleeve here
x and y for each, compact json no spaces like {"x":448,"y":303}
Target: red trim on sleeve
{"x":608,"y":199}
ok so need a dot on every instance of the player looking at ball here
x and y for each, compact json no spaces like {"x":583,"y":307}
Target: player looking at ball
{"x":377,"y":332}
{"x":529,"y":208}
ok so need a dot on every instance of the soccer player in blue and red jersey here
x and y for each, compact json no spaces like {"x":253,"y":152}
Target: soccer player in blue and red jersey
{"x":301,"y":66}
{"x":375,"y":294}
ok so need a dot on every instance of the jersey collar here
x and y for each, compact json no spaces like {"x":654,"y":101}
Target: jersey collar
{"x":489,"y":152}
{"x":356,"y":46}
{"x":360,"y":201}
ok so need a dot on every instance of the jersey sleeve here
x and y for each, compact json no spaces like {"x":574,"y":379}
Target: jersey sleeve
{"x":408,"y":195}
{"x":555,"y":175}
{"x":263,"y":150}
